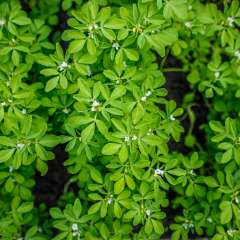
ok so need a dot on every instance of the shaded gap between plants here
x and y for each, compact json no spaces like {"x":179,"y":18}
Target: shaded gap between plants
{"x":50,"y":187}
{"x":178,"y":86}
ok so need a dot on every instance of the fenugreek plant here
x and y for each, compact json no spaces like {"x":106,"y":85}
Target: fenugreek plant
{"x":97,"y":91}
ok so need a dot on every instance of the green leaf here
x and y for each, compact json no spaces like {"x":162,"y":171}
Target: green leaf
{"x":6,"y":141}
{"x":56,"y":213}
{"x":211,"y":181}
{"x":15,"y":57}
{"x":123,"y":153}
{"x":111,"y":148}
{"x":96,"y":175}
{"x":76,"y":45}
{"x":216,"y":126}
{"x":51,"y":84}
{"x":118,"y":92}
{"x":66,"y":4}
{"x":25,"y":207}
{"x":48,"y":72}
{"x":41,"y":152}
{"x":131,"y":54}
{"x":110,"y":74}
{"x":76,"y":121}
{"x":63,"y":82}
{"x":130,"y":182}
{"x":104,"y":231}
{"x":115,"y":23}
{"x":91,"y":46}
{"x":227,"y":156}
{"x":102,"y":127}
{"x":5,"y":155}
{"x":117,"y":210}
{"x":226,"y":214}
{"x":119,"y":186}
{"x":94,"y":208}
{"x":158,"y":227}
{"x":137,"y":113}
{"x":21,"y":20}
{"x":49,"y":141}
{"x":84,"y":88}
{"x":88,"y":132}
{"x":174,"y":8}
{"x":148,"y":227}
{"x":42,"y":167}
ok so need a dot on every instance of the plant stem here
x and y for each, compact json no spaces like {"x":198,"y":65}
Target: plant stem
{"x":173,"y":70}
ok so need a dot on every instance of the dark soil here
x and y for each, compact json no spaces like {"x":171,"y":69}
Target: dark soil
{"x":50,"y":187}
{"x":178,"y":87}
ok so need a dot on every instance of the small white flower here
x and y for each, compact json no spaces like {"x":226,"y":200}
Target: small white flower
{"x":89,"y":72}
{"x":237,"y":54}
{"x":126,"y":139}
{"x":65,"y":110}
{"x":134,"y":137}
{"x":110,"y":199}
{"x":148,"y":212}
{"x":20,"y":145}
{"x":144,"y":98}
{"x":74,"y":227}
{"x":10,"y":169}
{"x":2,"y":22}
{"x":75,"y":234}
{"x":209,"y":219}
{"x":159,"y":172}
{"x":116,"y":45}
{"x":150,"y":132}
{"x":92,"y":26}
{"x":217,"y":74}
{"x":24,"y":111}
{"x":172,"y":118}
{"x":230,"y":21}
{"x":231,"y":232}
{"x":148,"y":93}
{"x":63,"y":66}
{"x":40,"y":229}
{"x":3,"y":104}
{"x":192,"y":172}
{"x":185,"y":225}
{"x":191,"y":225}
{"x":117,"y":82}
{"x":188,"y":24}
{"x":95,"y":105}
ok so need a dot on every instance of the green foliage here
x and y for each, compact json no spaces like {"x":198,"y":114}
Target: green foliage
{"x":96,"y":88}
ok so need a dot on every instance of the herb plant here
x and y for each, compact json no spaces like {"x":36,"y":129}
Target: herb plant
{"x":90,"y":77}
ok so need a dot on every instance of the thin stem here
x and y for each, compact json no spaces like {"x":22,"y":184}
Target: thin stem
{"x":174,"y":70}
{"x":164,"y":59}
